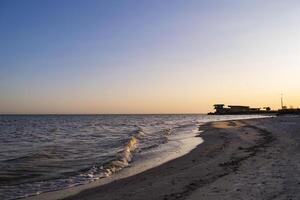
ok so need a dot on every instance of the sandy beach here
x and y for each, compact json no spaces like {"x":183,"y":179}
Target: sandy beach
{"x":240,"y":159}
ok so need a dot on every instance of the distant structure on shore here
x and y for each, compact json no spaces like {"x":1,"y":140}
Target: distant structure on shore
{"x":287,"y":111}
{"x":239,"y":110}
{"x":246,"y":110}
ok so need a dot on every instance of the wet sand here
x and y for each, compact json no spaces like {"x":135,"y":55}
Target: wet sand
{"x":241,"y":159}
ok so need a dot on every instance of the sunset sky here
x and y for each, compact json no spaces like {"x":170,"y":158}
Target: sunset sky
{"x":154,"y":56}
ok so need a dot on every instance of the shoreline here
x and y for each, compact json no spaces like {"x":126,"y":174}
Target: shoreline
{"x":229,"y":148}
{"x":187,"y":142}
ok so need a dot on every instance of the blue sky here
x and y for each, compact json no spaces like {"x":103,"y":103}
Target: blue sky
{"x":146,"y":56}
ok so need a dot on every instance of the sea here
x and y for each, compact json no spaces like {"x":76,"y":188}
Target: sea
{"x":42,"y":153}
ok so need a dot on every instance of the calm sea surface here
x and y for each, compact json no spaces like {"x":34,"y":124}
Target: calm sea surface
{"x":51,"y":152}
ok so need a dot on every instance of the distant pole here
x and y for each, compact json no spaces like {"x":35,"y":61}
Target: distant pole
{"x":281,"y":101}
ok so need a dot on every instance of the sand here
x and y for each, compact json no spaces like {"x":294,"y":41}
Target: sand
{"x":241,"y":159}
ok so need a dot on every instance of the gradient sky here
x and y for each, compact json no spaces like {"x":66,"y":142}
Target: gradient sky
{"x":154,"y":56}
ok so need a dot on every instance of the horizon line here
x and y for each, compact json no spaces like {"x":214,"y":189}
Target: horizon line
{"x":102,"y":114}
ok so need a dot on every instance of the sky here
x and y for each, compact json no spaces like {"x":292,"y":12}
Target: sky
{"x":138,"y":56}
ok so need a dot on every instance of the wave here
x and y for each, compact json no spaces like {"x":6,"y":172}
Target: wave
{"x":122,"y":159}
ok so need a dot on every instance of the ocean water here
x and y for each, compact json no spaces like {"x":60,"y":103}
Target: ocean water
{"x":41,"y":153}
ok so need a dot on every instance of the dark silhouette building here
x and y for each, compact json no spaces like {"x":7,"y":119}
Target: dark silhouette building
{"x":220,"y":109}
